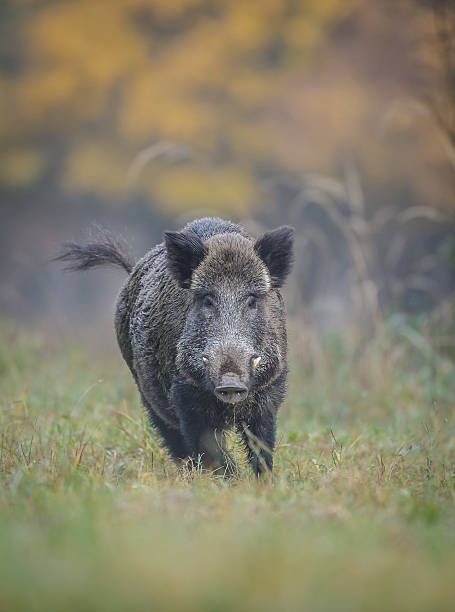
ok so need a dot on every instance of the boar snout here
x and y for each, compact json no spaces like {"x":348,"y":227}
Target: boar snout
{"x":231,"y":389}
{"x":230,"y":367}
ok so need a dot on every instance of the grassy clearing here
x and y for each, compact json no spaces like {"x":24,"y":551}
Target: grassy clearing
{"x":361,"y":514}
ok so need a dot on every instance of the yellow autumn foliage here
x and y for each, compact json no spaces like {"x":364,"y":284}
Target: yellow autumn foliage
{"x":246,"y":85}
{"x":227,"y":188}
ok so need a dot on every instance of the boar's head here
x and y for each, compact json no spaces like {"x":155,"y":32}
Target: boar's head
{"x":234,"y":338}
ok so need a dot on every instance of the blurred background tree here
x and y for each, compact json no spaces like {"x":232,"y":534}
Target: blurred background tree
{"x":93,"y":85}
{"x":141,"y":113}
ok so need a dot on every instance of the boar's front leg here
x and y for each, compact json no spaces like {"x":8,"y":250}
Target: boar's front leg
{"x":259,"y":434}
{"x":258,"y":428}
{"x":202,"y":432}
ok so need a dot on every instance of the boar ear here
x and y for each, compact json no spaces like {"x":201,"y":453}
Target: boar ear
{"x":275,"y":248}
{"x":185,"y":251}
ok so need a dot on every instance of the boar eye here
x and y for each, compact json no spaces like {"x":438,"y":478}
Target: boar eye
{"x":208,"y":301}
{"x":252,"y":302}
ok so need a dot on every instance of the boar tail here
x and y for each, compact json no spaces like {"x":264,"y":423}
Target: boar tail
{"x":106,"y":249}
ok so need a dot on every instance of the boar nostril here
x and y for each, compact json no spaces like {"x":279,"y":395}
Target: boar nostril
{"x":256,"y":361}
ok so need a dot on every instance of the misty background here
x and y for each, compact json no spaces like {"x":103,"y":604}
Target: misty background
{"x":334,"y":116}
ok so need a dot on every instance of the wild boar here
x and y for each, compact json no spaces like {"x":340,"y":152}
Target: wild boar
{"x":201,"y":324}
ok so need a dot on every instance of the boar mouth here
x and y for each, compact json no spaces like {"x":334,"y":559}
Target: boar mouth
{"x":231,"y":390}
{"x":231,"y":396}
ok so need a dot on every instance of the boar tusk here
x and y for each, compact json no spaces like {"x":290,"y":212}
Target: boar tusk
{"x":256,"y":361}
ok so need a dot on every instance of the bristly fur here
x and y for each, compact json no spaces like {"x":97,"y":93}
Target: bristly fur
{"x":231,"y":256}
{"x":106,"y":249}
{"x":275,"y":250}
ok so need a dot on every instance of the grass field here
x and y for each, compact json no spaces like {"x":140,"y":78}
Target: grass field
{"x":360,"y":515}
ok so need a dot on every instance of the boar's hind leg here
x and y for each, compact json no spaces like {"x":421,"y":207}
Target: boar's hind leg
{"x":259,"y":438}
{"x":203,"y":436}
{"x":172,"y":438}
{"x":206,"y":444}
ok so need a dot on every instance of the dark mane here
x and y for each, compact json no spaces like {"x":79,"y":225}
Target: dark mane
{"x":211,"y":226}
